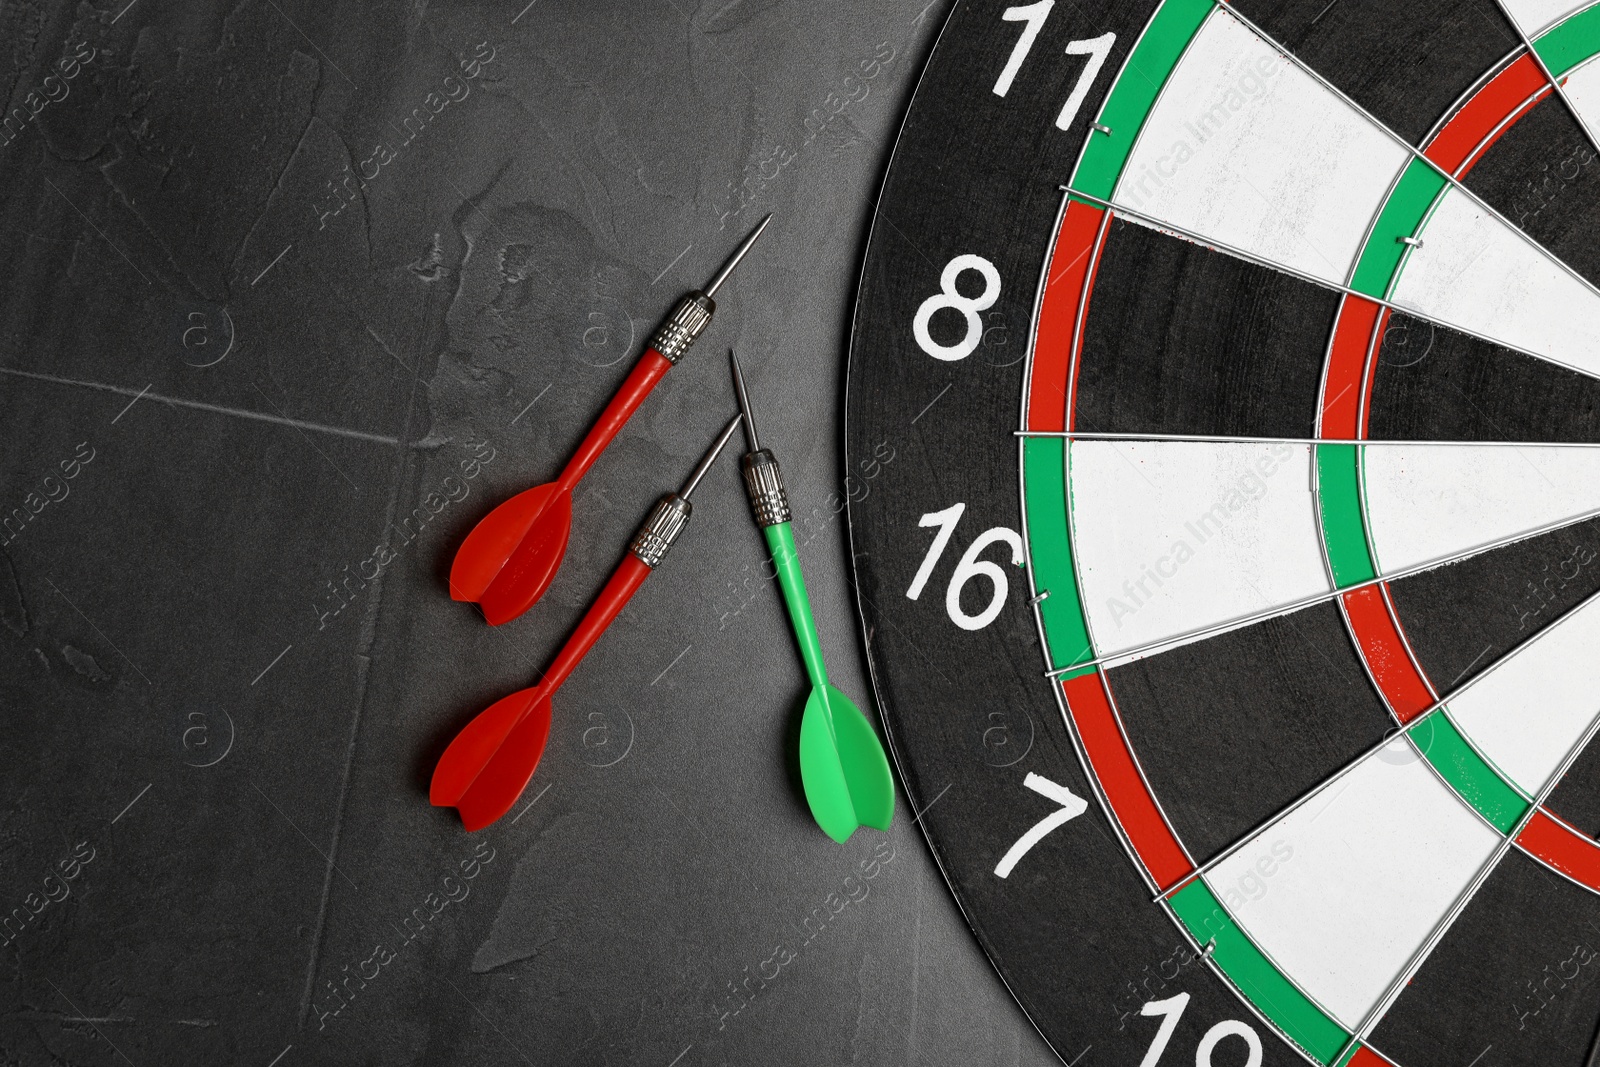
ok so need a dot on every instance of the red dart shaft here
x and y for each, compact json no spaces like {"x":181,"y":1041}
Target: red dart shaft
{"x":619,"y":589}
{"x":650,"y":369}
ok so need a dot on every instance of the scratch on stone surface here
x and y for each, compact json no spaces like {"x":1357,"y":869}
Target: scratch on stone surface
{"x":861,"y":1006}
{"x":367,"y":638}
{"x":338,"y":295}
{"x":361,"y":192}
{"x":63,"y":1017}
{"x":13,"y":608}
{"x":218,"y":409}
{"x":584,"y":176}
{"x":288,"y":161}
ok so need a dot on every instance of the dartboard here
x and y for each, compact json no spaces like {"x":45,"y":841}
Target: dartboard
{"x":1230,"y":596}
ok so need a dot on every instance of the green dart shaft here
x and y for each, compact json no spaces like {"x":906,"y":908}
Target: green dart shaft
{"x":786,"y":561}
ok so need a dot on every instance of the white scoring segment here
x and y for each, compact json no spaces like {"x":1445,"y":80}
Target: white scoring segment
{"x":1246,"y":148}
{"x":1361,"y":874}
{"x":1426,"y":503}
{"x":1528,"y":713}
{"x":1583,"y":89}
{"x":1173,"y":537}
{"x":1476,"y":272}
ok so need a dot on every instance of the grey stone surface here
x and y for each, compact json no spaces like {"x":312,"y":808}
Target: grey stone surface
{"x":228,"y":376}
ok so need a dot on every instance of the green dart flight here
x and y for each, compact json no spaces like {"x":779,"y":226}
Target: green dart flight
{"x":842,"y":765}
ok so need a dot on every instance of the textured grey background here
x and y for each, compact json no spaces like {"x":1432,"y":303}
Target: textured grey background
{"x":268,"y":388}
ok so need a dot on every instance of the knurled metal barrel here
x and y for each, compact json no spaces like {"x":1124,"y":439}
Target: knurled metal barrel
{"x":764,"y":485}
{"x":667,"y":520}
{"x":686,"y":323}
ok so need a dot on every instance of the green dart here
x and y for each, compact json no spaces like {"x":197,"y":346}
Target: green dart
{"x":842,"y":765}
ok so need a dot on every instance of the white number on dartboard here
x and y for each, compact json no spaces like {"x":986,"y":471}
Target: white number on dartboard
{"x":1172,"y":1010}
{"x":1096,"y":48}
{"x":968,"y":306}
{"x":1072,"y":806}
{"x":967,"y":568}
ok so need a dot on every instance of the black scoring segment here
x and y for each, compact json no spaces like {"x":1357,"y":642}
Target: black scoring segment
{"x":1232,"y":729}
{"x":1517,"y":976}
{"x":1404,"y":63}
{"x":1183,"y":339}
{"x":1543,"y":175}
{"x":1462,"y":617}
{"x":1436,"y":384}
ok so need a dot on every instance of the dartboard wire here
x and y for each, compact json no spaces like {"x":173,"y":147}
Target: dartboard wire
{"x":1138,"y":765}
{"x":1372,"y":228}
{"x":1155,"y":101}
{"x":1205,"y":954}
{"x":1130,"y":654}
{"x":1034,"y":596}
{"x":1376,"y":1013}
{"x":1415,"y":152}
{"x":1507,"y":839}
{"x":1122,"y":734}
{"x":1360,"y":442}
{"x":1369,"y":368}
{"x":1327,"y":369}
{"x":1323,"y":283}
{"x":1355,"y":1040}
{"x":1091,"y":776}
{"x":1380,"y":328}
{"x":1516,"y":115}
{"x":1113,"y":818}
{"x":1555,"y":84}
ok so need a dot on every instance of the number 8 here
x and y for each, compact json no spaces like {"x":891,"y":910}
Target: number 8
{"x":948,"y":297}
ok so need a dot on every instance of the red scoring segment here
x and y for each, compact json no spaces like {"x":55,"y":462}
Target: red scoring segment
{"x":1062,"y":314}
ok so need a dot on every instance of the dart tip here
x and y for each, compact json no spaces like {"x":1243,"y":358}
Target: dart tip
{"x":744,"y":403}
{"x":733,"y":260}
{"x":710,"y":457}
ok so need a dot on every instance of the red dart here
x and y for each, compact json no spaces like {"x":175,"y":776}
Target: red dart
{"x":512,"y":555}
{"x":488,"y":765}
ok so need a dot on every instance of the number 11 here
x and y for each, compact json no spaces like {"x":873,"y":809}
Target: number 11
{"x":1096,"y":48}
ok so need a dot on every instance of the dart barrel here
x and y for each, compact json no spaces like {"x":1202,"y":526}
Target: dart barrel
{"x":764,"y":485}
{"x":661,"y":528}
{"x":681,"y":328}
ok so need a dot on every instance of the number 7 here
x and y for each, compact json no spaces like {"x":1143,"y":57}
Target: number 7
{"x":1071,"y":807}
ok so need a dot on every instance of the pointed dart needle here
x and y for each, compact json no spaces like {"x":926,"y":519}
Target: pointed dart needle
{"x":842,"y":765}
{"x":512,"y":555}
{"x":487,"y":766}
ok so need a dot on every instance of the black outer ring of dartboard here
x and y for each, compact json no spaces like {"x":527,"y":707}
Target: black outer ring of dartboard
{"x":1047,"y":703}
{"x":851,"y":536}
